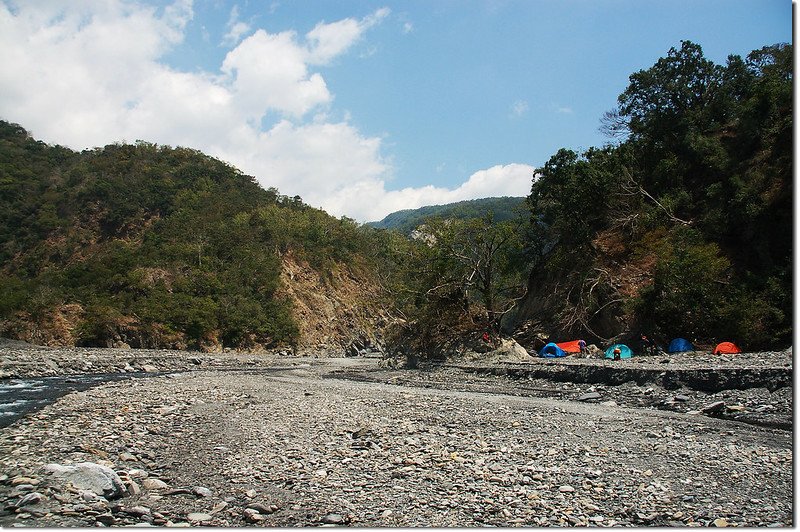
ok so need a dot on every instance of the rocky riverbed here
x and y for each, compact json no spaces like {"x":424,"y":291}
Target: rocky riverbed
{"x":272,"y":440}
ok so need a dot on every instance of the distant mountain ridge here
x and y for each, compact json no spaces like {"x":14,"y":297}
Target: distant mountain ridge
{"x":502,"y":208}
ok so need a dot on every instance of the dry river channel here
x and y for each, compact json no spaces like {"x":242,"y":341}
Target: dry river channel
{"x":301,"y":441}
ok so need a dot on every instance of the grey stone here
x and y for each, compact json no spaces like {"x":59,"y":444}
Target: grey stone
{"x":252,"y":516}
{"x":717,"y":406}
{"x":154,"y":484}
{"x":589,"y":396}
{"x":106,"y":519}
{"x":333,"y":519}
{"x":98,"y":478}
{"x":138,"y":511}
{"x":200,"y":491}
{"x":260,"y":508}
{"x":133,"y":488}
{"x":30,"y":498}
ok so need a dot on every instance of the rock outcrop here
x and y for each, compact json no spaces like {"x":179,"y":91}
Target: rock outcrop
{"x":338,"y":311}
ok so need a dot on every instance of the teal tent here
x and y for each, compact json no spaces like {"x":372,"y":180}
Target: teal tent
{"x":624,"y":351}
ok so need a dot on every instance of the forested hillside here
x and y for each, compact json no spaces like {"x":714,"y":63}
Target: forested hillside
{"x":153,"y":246}
{"x":501,"y":209}
{"x":680,"y":226}
{"x":684,"y":226}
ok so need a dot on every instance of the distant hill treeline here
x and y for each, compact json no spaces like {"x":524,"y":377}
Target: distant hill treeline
{"x":501,"y":208}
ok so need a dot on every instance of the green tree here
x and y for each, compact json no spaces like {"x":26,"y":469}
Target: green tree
{"x":478,"y":259}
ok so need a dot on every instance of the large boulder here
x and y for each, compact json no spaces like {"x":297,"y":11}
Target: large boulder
{"x":97,"y":478}
{"x":507,"y":350}
{"x":511,"y":351}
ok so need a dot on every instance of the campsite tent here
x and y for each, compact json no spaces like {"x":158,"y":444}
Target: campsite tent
{"x":679,"y":345}
{"x":725,"y":348}
{"x":551,"y":350}
{"x":570,"y":347}
{"x":624,"y":351}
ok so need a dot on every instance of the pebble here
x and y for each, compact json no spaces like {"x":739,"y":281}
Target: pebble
{"x":30,"y":498}
{"x":262,"y":508}
{"x":716,"y":406}
{"x":106,"y":519}
{"x":589,"y":396}
{"x":17,"y":481}
{"x":332,"y":519}
{"x":200,"y":491}
{"x":154,"y":484}
{"x":253,"y":516}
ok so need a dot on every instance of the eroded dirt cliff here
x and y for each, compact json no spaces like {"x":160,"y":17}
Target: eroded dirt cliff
{"x":338,"y":309}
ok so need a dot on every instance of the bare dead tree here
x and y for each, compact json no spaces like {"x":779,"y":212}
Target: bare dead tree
{"x":614,"y":125}
{"x":634,"y":187}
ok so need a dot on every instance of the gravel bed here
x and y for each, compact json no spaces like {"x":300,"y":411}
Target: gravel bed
{"x":293,"y":445}
{"x":755,"y":405}
{"x":23,"y":360}
{"x":686,"y":360}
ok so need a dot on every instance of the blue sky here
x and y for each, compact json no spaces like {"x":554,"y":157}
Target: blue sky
{"x":360,"y":107}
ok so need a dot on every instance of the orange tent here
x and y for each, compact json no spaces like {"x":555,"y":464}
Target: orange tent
{"x":726,"y":348}
{"x":570,"y":347}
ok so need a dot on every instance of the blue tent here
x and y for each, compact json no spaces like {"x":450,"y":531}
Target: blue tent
{"x":624,"y":351}
{"x":679,"y":345}
{"x":551,"y":350}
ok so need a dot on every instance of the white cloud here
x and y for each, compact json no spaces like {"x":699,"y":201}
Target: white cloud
{"x":374,"y":201}
{"x":519,"y":108}
{"x":269,"y":72}
{"x":334,"y":155}
{"x":85,"y":74}
{"x":326,"y":41}
{"x":236,"y":28}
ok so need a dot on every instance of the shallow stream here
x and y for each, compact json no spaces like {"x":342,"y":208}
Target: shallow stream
{"x":19,"y":397}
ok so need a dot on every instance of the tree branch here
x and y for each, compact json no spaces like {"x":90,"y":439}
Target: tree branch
{"x":643,"y":192}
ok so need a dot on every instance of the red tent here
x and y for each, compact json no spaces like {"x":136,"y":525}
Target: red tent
{"x":726,"y":348}
{"x":570,"y":347}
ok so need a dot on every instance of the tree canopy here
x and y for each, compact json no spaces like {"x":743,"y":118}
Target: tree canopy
{"x":685,"y":225}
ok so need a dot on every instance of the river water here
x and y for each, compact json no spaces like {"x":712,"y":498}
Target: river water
{"x":19,"y":397}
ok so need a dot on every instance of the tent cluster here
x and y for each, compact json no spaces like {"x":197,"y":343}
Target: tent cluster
{"x":562,"y":349}
{"x":677,"y":345}
{"x":680,"y":345}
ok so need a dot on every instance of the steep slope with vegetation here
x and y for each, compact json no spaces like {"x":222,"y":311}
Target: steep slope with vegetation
{"x":684,"y":228}
{"x":153,"y":246}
